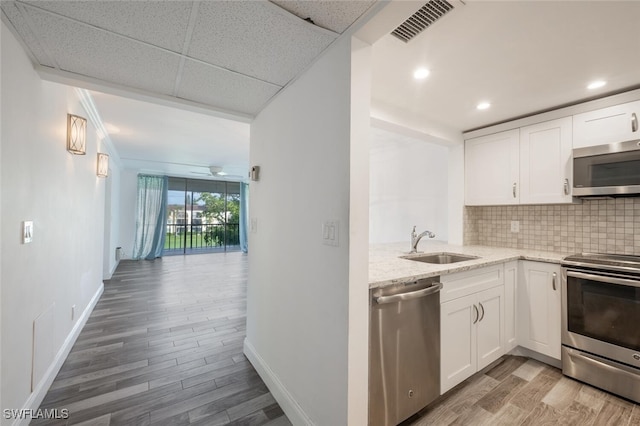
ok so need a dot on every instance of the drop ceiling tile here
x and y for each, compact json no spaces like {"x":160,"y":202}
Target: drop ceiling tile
{"x":333,"y":15}
{"x":212,"y":86}
{"x":19,"y":23}
{"x":161,"y":23}
{"x":256,"y":38}
{"x":87,"y":51}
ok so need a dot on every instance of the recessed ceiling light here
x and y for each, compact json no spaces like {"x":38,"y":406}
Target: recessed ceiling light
{"x":421,"y":73}
{"x":483,"y":105}
{"x":596,"y":84}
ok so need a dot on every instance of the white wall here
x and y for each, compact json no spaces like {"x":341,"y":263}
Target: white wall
{"x":61,"y":193}
{"x":112,"y":218}
{"x":456,"y":193}
{"x":128,"y":206}
{"x":298,"y":313}
{"x":1,"y":239}
{"x":358,"y":365}
{"x":408,"y":186}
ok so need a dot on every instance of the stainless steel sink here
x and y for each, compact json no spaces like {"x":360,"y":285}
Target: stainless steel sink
{"x":439,"y":258}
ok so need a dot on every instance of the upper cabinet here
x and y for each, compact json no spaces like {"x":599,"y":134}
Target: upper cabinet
{"x":491,"y":169}
{"x":530,"y":165}
{"x":607,"y":125}
{"x":545,"y":162}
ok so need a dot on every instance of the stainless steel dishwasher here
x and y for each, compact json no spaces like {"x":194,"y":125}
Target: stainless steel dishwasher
{"x":404,"y":351}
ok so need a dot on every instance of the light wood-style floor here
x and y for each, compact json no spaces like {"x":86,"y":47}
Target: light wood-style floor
{"x":522,"y":391}
{"x":163,"y":346}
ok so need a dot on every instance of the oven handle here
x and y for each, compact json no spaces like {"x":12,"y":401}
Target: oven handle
{"x":603,"y":278}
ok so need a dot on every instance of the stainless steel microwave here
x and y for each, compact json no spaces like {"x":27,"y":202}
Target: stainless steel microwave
{"x":607,"y":170}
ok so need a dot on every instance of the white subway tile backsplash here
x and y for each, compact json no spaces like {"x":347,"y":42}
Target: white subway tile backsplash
{"x":611,"y":226}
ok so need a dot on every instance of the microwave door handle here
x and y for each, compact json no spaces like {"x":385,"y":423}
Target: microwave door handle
{"x":603,"y":278}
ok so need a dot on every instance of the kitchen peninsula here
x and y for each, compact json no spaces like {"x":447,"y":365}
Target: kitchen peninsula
{"x":387,"y":267}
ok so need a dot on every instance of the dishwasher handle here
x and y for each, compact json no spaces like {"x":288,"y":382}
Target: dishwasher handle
{"x":436,"y":287}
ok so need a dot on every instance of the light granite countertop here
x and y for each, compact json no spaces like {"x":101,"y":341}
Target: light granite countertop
{"x":387,"y":268}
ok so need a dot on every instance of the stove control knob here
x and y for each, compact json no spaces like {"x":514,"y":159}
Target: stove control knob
{"x":636,"y":357}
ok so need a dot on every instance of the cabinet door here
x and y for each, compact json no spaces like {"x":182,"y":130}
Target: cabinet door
{"x":491,"y":169}
{"x":545,"y":162}
{"x":458,"y":357}
{"x":510,"y":303}
{"x":539,"y":308}
{"x":607,"y":125}
{"x":490,"y":326}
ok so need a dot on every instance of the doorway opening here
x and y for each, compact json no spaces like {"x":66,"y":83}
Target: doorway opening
{"x":203,"y":216}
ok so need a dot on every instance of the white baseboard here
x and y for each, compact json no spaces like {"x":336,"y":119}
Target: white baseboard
{"x":289,"y":405}
{"x":36,"y":397}
{"x":112,"y":270}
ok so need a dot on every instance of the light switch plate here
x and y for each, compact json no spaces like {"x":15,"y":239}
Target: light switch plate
{"x":331,"y":233}
{"x":27,"y":231}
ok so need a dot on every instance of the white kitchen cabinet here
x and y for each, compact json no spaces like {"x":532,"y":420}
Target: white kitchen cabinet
{"x":458,"y":341}
{"x":618,"y":123}
{"x":491,"y":169}
{"x":490,"y":326}
{"x":545,"y":162}
{"x":530,"y":165}
{"x":510,"y":305}
{"x":539,"y":306}
{"x":472,"y":318}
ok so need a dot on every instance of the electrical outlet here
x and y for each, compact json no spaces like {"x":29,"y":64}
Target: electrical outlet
{"x":515,"y":226}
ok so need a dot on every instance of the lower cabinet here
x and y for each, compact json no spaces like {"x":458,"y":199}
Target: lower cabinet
{"x":471,"y":330}
{"x":510,"y":305}
{"x":539,"y":307}
{"x":487,"y":312}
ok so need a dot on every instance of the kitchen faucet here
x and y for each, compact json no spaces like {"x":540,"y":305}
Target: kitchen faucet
{"x":415,"y":239}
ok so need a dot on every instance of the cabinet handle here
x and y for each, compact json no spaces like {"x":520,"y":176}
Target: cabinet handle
{"x":553,"y":280}
{"x":514,"y":190}
{"x":634,"y":122}
{"x":475,"y":309}
{"x":481,"y":307}
{"x":566,"y":187}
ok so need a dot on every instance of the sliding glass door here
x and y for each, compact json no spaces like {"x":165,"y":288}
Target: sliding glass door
{"x":203,"y":216}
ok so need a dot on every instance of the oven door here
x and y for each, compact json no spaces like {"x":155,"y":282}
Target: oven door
{"x":601,"y":314}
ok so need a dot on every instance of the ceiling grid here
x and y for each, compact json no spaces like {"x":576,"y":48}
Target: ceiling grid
{"x":225,"y":55}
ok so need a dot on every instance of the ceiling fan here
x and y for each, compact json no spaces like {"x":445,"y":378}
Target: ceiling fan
{"x":218,"y":171}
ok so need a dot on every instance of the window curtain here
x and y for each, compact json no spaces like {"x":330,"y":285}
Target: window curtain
{"x":244,"y":212}
{"x":151,"y":217}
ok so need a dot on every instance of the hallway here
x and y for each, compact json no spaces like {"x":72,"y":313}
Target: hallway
{"x":164,"y":346}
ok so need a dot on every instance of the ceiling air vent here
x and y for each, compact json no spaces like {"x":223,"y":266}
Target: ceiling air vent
{"x":419,"y":21}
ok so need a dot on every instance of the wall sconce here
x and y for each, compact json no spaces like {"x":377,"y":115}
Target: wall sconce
{"x":76,"y":134}
{"x":103,"y":165}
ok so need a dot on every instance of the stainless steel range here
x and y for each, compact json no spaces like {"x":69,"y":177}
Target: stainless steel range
{"x":601,"y":321}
